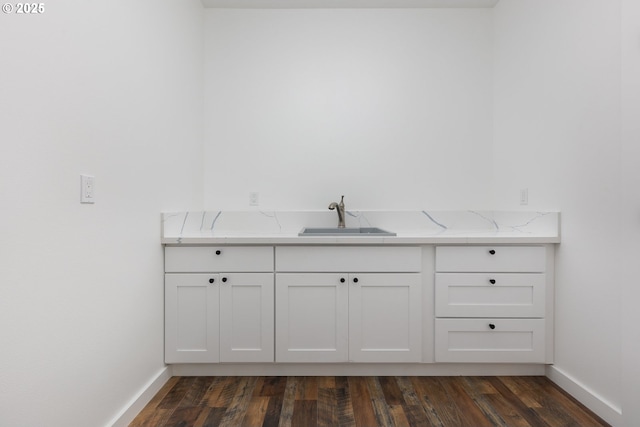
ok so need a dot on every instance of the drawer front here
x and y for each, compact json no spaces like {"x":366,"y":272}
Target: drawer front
{"x":474,"y":340}
{"x":197,"y":259}
{"x":490,"y":295}
{"x":523,"y":259}
{"x":348,"y":259}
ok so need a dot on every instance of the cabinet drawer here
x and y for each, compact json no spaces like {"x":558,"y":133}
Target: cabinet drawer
{"x":473,"y":340}
{"x":490,"y":295}
{"x":195,"y":259}
{"x":490,"y":259}
{"x":348,"y":259}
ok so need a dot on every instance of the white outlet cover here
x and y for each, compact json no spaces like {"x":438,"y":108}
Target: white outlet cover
{"x":254,"y":198}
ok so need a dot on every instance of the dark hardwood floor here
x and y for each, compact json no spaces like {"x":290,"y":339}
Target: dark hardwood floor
{"x":364,"y":402}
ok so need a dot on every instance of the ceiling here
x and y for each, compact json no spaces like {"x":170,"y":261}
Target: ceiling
{"x":345,"y":4}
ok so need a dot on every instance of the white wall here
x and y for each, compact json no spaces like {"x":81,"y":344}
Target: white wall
{"x":630,"y":215}
{"x":113,"y":89}
{"x":389,"y":107}
{"x":558,"y":133}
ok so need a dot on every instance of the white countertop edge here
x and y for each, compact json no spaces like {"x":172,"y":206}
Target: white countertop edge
{"x":396,"y":240}
{"x":413,"y":228}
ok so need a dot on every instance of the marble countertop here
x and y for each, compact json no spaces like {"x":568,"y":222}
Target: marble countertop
{"x":411,"y":227}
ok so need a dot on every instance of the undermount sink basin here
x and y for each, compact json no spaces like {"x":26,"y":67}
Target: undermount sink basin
{"x":335,"y":231}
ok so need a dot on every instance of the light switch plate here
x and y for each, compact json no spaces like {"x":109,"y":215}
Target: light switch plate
{"x":87,"y":189}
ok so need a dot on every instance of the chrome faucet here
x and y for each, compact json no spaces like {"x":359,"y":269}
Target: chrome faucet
{"x":340,"y":208}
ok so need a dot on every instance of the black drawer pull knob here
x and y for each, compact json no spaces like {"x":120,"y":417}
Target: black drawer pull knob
{"x":342,"y":280}
{"x":211,"y":280}
{"x":218,"y":252}
{"x":492,"y":281}
{"x":492,"y":252}
{"x":224,"y":279}
{"x":492,"y":326}
{"x":355,"y":280}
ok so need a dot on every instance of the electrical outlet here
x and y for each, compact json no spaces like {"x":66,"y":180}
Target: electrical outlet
{"x":87,"y":189}
{"x":254,"y":198}
{"x":524,"y":196}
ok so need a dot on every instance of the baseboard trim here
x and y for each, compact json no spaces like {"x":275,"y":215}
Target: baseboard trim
{"x":353,"y":369}
{"x":135,"y":405}
{"x":606,"y":410}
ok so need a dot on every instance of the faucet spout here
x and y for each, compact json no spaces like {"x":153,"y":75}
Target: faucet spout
{"x":339,"y":207}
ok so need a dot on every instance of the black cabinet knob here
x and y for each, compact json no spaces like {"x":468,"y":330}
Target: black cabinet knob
{"x":492,"y":326}
{"x":342,"y":280}
{"x":218,"y":252}
{"x":355,"y":280}
{"x":492,"y":281}
{"x":211,"y":280}
{"x":492,"y":252}
{"x":224,"y":279}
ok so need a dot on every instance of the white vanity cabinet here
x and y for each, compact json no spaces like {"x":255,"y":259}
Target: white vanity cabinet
{"x":341,"y":304}
{"x":359,"y":303}
{"x":492,"y":304}
{"x":219,"y":304}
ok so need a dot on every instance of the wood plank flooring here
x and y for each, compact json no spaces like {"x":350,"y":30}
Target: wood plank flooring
{"x":364,"y":402}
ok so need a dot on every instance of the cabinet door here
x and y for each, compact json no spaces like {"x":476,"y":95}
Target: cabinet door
{"x":385,"y":318}
{"x":246,"y":317}
{"x":191,"y":318}
{"x":311,"y":317}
